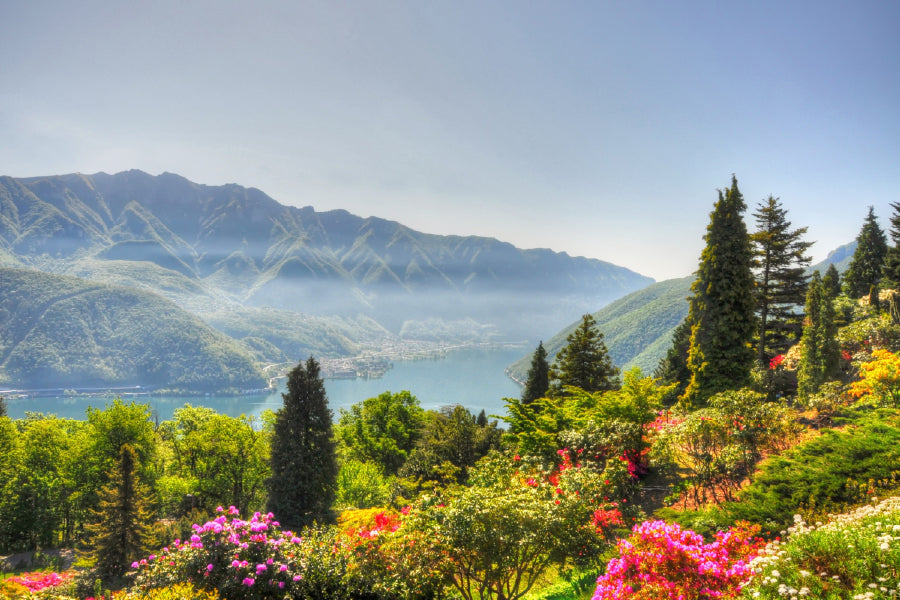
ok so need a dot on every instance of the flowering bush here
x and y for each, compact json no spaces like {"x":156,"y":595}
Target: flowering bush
{"x":854,"y":556}
{"x":36,"y":582}
{"x":879,"y":379}
{"x":661,"y":561}
{"x":241,"y":559}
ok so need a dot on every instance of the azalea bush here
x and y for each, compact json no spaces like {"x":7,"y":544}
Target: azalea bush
{"x":662,"y":561}
{"x":855,"y":555}
{"x":879,"y":382}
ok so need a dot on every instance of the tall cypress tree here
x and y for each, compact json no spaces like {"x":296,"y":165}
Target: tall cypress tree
{"x":866,"y":265}
{"x":820,"y":350}
{"x":303,"y":458}
{"x":832,"y":281}
{"x":538,"y":382}
{"x":119,"y":535}
{"x":721,"y":307}
{"x":584,"y":361}
{"x":781,"y":281}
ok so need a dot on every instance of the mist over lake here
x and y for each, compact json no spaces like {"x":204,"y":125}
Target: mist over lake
{"x":473,"y":377}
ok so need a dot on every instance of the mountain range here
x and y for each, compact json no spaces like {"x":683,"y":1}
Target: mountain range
{"x":283,"y":280}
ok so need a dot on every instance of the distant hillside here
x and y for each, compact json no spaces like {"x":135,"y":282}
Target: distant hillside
{"x":637,"y":329}
{"x":212,"y":246}
{"x":840,"y":256}
{"x":60,"y":331}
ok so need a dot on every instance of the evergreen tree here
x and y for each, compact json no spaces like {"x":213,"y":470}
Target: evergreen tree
{"x":673,"y":367}
{"x":891,"y":269}
{"x":832,"y":281}
{"x":119,"y":536}
{"x":781,"y":281}
{"x":868,"y":259}
{"x":538,"y":382}
{"x":721,"y":308}
{"x":584,"y":362}
{"x":2,"y":407}
{"x":820,"y":351}
{"x":303,"y":458}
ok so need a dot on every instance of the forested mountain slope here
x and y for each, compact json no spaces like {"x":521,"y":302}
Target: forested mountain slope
{"x":63,"y":331}
{"x":637,"y":329}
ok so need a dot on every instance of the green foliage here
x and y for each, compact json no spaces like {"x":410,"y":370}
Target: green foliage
{"x":361,"y":485}
{"x":820,"y":472}
{"x":673,"y":368}
{"x":382,"y":430}
{"x":866,"y":267}
{"x":718,"y":446}
{"x":220,"y":460}
{"x":452,"y":440}
{"x":820,"y":351}
{"x":721,"y":307}
{"x":63,"y":331}
{"x":852,"y":556}
{"x":537,"y":383}
{"x":779,"y":265}
{"x":496,"y":537}
{"x":583,"y":362}
{"x":119,"y":535}
{"x":304,"y":464}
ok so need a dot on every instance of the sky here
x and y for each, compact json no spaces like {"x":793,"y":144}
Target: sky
{"x":601,"y":129}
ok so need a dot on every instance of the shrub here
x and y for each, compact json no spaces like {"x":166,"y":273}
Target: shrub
{"x":855,"y":555}
{"x":661,"y":561}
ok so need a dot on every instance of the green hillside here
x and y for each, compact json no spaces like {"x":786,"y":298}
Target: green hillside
{"x":60,"y":331}
{"x":637,"y":329}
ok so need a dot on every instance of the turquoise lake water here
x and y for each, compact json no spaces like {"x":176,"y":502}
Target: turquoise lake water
{"x":472,"y":377}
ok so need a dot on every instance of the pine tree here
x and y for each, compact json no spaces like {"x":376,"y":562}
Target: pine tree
{"x":119,"y":535}
{"x":673,"y":367}
{"x":781,"y":281}
{"x":868,"y":259}
{"x":891,"y":269}
{"x":832,"y":281}
{"x":721,"y":308}
{"x":538,"y":382}
{"x":584,"y":362}
{"x":303,"y":458}
{"x":2,"y":406}
{"x":819,"y":351}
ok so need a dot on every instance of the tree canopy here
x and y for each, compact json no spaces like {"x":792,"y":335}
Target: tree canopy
{"x":584,"y":361}
{"x":865,"y":268}
{"x":721,"y":310}
{"x":303,"y":457}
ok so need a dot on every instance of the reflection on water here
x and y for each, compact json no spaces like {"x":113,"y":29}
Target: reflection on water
{"x":471,"y":377}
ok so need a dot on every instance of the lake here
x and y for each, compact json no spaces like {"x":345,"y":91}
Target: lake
{"x":473,"y":377}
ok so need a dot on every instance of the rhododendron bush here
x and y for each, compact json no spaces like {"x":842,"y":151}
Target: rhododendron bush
{"x":662,"y":561}
{"x":256,"y":559}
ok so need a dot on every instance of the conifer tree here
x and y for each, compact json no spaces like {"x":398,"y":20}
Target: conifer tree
{"x":891,"y":269}
{"x":119,"y":536}
{"x":2,"y":406}
{"x":868,"y":259}
{"x":832,"y":281}
{"x":673,"y":367}
{"x":820,"y":351}
{"x":781,"y":281}
{"x":538,"y":382}
{"x":584,"y":361}
{"x":303,"y":457}
{"x":721,"y":307}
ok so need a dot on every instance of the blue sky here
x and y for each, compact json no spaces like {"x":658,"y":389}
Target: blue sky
{"x":602,"y":129}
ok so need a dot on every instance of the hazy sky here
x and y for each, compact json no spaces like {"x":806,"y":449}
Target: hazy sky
{"x":599,"y":128}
